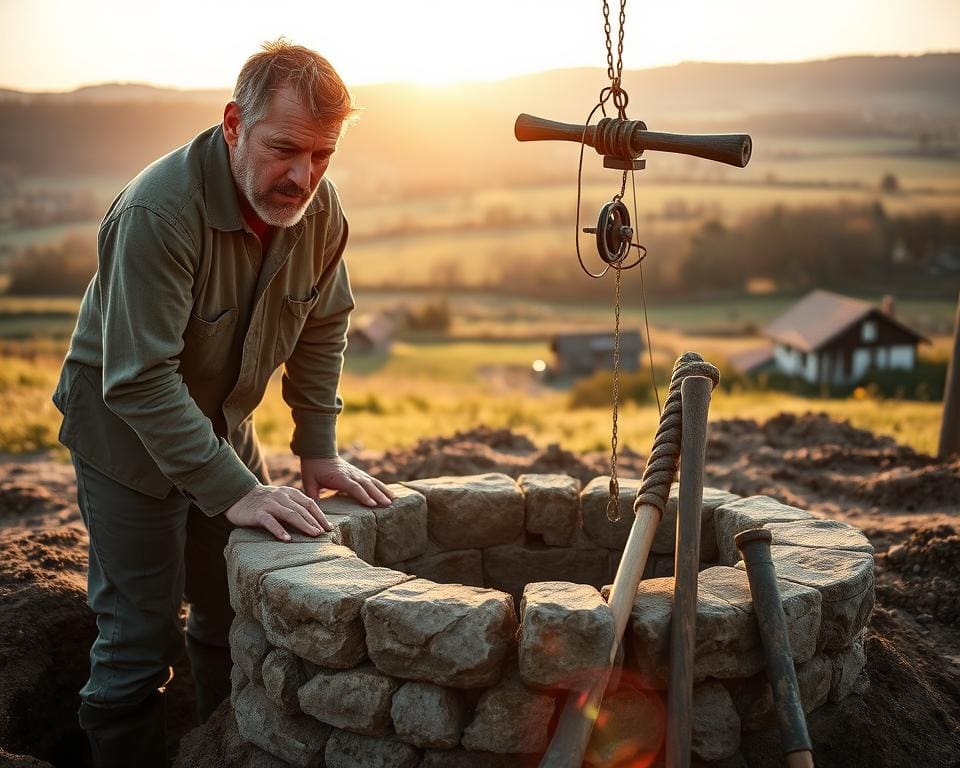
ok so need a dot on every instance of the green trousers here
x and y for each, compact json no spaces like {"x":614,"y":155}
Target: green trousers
{"x":146,"y":556}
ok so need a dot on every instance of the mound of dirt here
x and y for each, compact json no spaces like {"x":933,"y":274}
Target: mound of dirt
{"x":923,"y":576}
{"x":45,"y":634}
{"x":477,"y":451}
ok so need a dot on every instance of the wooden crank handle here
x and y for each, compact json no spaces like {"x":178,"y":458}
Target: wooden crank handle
{"x":729,"y":148}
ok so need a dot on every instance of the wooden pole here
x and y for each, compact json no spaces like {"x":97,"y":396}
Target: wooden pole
{"x":580,"y":711}
{"x":695,"y":394}
{"x":950,"y":423}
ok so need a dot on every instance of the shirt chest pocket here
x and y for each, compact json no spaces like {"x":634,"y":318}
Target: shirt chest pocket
{"x":293,"y":316}
{"x":207,"y":344}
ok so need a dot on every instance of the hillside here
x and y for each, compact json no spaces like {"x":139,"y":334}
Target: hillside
{"x":451,"y":136}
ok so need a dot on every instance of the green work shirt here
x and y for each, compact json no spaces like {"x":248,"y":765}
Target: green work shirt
{"x":186,"y":320}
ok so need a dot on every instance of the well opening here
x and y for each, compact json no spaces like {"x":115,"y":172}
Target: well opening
{"x":448,"y":628}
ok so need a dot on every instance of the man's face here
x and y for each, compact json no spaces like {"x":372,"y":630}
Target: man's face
{"x":278,"y":163}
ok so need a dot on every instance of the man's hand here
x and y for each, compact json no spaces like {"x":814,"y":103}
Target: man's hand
{"x":266,"y":506}
{"x":340,"y":475}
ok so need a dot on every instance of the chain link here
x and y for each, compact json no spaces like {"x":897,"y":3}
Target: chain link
{"x":615,"y":71}
{"x":613,"y":504}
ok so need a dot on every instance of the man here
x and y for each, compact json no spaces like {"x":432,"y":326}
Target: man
{"x":217,"y":264}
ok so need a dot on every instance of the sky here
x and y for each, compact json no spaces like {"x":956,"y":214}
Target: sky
{"x":56,"y":45}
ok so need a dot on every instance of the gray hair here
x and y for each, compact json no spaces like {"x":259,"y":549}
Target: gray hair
{"x":315,"y":81}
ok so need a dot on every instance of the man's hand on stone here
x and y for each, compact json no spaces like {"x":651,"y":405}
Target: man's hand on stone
{"x":273,"y":507}
{"x":337,"y":474}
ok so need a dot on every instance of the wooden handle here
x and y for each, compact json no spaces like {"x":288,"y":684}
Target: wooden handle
{"x":580,"y":711}
{"x":732,"y":149}
{"x":695,"y":394}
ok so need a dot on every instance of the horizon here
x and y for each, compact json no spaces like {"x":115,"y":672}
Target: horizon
{"x":444,"y":85}
{"x":422,"y":41}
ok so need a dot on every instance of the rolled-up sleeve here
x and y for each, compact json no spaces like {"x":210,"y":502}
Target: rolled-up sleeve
{"x":311,"y":377}
{"x":146,"y":277}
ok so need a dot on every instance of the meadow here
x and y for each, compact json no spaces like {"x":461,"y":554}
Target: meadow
{"x":426,"y":388}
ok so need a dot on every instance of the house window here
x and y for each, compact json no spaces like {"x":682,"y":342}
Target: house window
{"x":868,"y":331}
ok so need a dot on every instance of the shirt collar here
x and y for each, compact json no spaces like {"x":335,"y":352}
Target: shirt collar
{"x":220,"y":194}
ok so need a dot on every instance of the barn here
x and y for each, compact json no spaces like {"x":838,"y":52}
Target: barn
{"x":826,"y":338}
{"x":581,"y":354}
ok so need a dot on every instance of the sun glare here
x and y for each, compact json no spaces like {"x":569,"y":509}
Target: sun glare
{"x":435,"y":44}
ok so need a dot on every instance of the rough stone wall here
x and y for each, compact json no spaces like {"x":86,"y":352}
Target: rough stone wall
{"x":448,"y":629}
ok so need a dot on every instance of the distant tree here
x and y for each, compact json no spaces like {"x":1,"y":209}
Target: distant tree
{"x":889,"y":183}
{"x":60,"y":269}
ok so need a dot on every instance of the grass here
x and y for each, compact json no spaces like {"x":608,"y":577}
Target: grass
{"x":429,"y":388}
{"x":439,"y":389}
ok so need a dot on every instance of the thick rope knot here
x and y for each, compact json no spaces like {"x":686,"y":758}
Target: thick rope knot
{"x":664,"y":459}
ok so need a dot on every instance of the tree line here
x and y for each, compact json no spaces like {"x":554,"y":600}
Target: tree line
{"x":858,"y":249}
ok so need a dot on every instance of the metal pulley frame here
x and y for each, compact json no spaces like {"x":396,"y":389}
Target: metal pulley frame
{"x":613,"y":231}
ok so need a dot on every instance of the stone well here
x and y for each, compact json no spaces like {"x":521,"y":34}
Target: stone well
{"x":447,"y":629}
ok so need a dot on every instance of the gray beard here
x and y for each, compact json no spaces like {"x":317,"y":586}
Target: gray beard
{"x":269,"y":212}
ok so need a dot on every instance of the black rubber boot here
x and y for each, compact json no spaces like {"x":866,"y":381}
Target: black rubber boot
{"x":210,"y":665}
{"x":124,"y":737}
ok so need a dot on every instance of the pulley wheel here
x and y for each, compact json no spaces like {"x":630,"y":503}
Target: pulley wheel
{"x":614,"y":233}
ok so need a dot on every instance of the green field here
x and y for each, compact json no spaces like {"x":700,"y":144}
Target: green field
{"x":428,"y":389}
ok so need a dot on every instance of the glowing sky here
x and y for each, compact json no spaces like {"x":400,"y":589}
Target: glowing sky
{"x":60,"y":44}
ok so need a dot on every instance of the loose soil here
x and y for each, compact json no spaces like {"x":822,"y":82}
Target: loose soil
{"x":907,"y":503}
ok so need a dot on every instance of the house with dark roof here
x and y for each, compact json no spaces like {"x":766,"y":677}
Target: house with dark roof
{"x":581,"y":354}
{"x":372,"y":334}
{"x":826,"y":338}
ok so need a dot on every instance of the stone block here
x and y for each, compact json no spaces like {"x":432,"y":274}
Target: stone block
{"x":427,"y":715}
{"x":238,"y":681}
{"x":401,"y":527}
{"x":665,"y":538}
{"x":474,"y":511}
{"x":357,"y":700}
{"x":511,"y":568}
{"x":551,"y":506}
{"x":298,"y":739}
{"x":353,"y":750}
{"x":753,"y":698}
{"x":314,"y":610}
{"x":455,"y":566}
{"x":750,"y":512}
{"x":355,"y":523}
{"x":445,"y":634}
{"x":820,"y":534}
{"x":593,"y":511}
{"x":629,"y":729}
{"x":283,"y":674}
{"x":252,"y":554}
{"x":844,"y":579}
{"x":566,"y":633}
{"x":716,"y":724}
{"x":727,"y":643}
{"x":463,"y":758}
{"x":248,"y":647}
{"x":848,"y":667}
{"x":510,"y":718}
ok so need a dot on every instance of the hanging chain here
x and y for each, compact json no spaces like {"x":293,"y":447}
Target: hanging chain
{"x":619,"y":97}
{"x":615,"y":71}
{"x":613,"y":504}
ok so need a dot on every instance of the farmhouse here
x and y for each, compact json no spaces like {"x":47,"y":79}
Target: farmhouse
{"x":372,"y":334}
{"x":826,"y":338}
{"x":581,"y":354}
